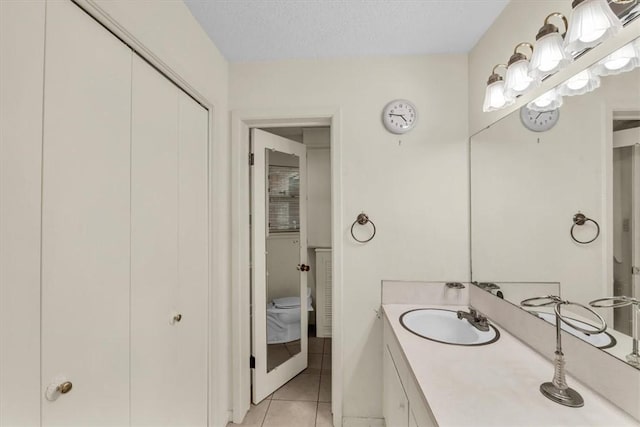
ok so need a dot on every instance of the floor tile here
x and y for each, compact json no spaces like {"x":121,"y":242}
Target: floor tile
{"x":324,"y":417}
{"x":314,"y":364}
{"x":276,"y":355}
{"x":291,"y":414}
{"x":302,"y":387}
{"x":293,"y":347}
{"x":316,"y":345}
{"x":326,"y":363}
{"x":325,"y":388}
{"x":255,"y":416}
{"x":327,"y":346}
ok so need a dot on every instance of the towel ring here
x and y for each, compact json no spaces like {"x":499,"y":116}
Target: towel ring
{"x":556,"y":301}
{"x":363,"y":219}
{"x":580,"y":220}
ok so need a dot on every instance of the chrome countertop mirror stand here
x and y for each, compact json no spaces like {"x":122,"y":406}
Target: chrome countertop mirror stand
{"x":633,"y":358}
{"x":558,"y":390}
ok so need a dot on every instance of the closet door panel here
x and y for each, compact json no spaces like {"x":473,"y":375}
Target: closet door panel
{"x":85,"y":221}
{"x":154,"y":247}
{"x":193,"y":296}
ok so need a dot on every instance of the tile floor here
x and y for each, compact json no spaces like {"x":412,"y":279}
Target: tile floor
{"x":305,"y":401}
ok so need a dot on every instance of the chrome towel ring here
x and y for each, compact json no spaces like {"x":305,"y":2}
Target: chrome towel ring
{"x":363,"y":219}
{"x":580,"y":219}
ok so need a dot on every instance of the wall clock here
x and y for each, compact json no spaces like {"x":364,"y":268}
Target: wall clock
{"x":399,"y":116}
{"x":539,"y":121}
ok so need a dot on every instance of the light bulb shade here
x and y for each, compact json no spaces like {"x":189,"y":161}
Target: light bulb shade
{"x":583,"y":82}
{"x":494,"y":98}
{"x":548,"y":101}
{"x":622,"y":60}
{"x":591,"y":22}
{"x":517,"y":80}
{"x":548,"y":56}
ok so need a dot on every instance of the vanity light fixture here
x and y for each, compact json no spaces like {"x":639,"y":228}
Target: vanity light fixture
{"x":549,"y":55}
{"x":548,"y":101}
{"x":591,"y":22}
{"x":584,"y":82}
{"x":517,"y":80}
{"x":494,"y":98}
{"x":622,"y":60}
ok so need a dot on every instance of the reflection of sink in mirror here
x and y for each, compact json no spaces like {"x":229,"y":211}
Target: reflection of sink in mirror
{"x":602,"y":340}
{"x":445,"y":327}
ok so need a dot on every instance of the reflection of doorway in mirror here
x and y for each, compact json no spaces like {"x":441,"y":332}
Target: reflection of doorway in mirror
{"x":626,"y":217}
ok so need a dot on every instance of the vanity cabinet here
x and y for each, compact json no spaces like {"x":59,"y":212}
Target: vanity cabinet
{"x":404,"y":404}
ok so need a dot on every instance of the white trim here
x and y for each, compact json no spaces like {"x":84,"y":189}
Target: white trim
{"x":626,"y":137}
{"x":241,"y":122}
{"x":216,"y":393}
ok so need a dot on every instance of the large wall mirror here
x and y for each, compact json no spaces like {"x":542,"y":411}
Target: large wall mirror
{"x":556,"y":209}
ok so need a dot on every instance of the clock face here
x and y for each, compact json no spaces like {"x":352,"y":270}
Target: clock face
{"x":399,"y":116}
{"x":539,"y":121}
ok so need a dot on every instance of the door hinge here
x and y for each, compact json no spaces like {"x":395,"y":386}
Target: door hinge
{"x":250,"y":159}
{"x":252,"y":362}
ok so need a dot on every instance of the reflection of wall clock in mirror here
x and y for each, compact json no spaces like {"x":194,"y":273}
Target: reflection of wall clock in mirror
{"x":539,"y":121}
{"x":399,"y":116}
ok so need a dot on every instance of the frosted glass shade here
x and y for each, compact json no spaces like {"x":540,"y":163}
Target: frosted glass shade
{"x":622,"y":60}
{"x":546,"y":102}
{"x":583,"y":82}
{"x":591,"y":22}
{"x":548,"y":56}
{"x":494,"y":98}
{"x":517,"y":80}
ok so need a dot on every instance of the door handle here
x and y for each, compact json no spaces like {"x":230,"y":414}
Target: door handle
{"x":635,"y":270}
{"x":303,"y":267}
{"x":54,"y":391}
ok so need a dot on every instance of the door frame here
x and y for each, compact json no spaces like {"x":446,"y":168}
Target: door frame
{"x":217,"y":393}
{"x":241,"y":123}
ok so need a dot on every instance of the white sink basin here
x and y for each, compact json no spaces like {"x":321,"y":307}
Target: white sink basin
{"x":601,"y":340}
{"x":444,"y":326}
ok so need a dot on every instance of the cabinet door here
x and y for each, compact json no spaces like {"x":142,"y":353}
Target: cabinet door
{"x":169,"y":269}
{"x":85,"y":221}
{"x":395,"y":403}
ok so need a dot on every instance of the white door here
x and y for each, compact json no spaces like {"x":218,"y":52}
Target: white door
{"x":169,"y":265}
{"x":85,"y":222}
{"x":279,"y":260}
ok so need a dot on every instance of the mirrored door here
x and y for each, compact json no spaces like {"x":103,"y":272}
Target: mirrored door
{"x":280,"y":298}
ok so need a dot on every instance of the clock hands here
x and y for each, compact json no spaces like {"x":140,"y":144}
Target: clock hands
{"x":398,"y":115}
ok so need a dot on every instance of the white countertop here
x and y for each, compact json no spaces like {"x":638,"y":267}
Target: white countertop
{"x":496,"y":384}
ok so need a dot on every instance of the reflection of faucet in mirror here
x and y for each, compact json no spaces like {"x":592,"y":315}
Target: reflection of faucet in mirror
{"x":623,"y":301}
{"x":558,"y":390}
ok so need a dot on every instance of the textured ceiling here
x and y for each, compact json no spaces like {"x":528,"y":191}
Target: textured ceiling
{"x":258,"y":30}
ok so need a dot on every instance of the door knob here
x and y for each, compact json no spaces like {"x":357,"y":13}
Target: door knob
{"x":303,"y":267}
{"x":54,"y":391}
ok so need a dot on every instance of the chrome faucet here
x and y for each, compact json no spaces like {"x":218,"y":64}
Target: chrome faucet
{"x":475,"y":318}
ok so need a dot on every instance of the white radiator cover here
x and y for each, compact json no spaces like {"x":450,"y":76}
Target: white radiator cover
{"x":323,"y":293}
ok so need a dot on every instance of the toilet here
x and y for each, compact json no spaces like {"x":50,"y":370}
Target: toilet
{"x":283,"y":319}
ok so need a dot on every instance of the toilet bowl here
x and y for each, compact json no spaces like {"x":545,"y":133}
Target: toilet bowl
{"x":283,"y":319}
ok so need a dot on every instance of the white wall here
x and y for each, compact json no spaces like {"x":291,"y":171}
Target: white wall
{"x":168,"y":31}
{"x":527,"y":186}
{"x":415,"y":191}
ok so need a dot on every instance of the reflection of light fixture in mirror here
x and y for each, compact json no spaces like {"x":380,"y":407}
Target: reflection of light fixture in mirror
{"x":622,"y":60}
{"x":494,"y":98}
{"x":517,"y":80}
{"x":591,"y":22}
{"x":548,"y":54}
{"x":548,"y":101}
{"x":583,"y":82}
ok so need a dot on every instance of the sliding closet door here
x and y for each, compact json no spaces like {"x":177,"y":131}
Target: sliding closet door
{"x":169,"y":254}
{"x":85,"y":222}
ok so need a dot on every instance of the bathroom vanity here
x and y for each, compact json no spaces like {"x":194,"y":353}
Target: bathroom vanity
{"x":429,"y":383}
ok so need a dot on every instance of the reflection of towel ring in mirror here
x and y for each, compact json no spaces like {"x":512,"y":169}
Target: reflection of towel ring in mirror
{"x":363,"y":219}
{"x":581,"y":219}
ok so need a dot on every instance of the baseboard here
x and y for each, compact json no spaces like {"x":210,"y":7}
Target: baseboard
{"x":362,"y":422}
